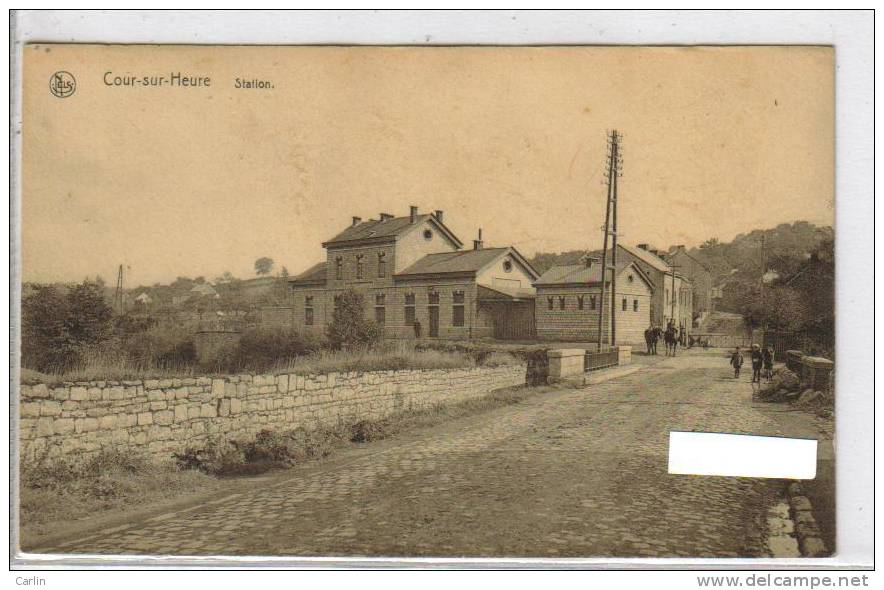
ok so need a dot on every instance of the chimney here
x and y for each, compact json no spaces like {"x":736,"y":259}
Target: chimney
{"x":477,"y":243}
{"x":386,"y":216}
{"x":643,"y":246}
{"x":439,"y":215}
{"x":356,"y":220}
{"x":413,"y":214}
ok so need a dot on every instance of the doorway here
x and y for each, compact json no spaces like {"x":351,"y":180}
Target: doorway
{"x":434,"y":321}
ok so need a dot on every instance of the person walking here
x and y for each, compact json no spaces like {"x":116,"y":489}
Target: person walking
{"x":767,"y":355}
{"x":757,"y":363}
{"x":736,"y":361}
{"x":649,"y":333}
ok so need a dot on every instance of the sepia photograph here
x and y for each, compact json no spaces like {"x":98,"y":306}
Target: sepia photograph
{"x":427,"y":302}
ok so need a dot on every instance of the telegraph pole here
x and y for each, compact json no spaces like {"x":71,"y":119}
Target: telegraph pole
{"x":613,"y":169}
{"x":618,"y":162}
{"x":118,"y":295}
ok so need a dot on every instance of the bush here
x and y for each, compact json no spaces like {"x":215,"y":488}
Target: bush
{"x":268,"y":450}
{"x":217,"y":457}
{"x":165,"y":346}
{"x":349,"y":328}
{"x":97,"y":475}
{"x":260,"y":349}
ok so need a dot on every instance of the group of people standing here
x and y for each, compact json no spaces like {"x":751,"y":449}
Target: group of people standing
{"x":761,"y":358}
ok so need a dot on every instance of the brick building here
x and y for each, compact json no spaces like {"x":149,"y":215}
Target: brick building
{"x":696,"y":271}
{"x":672,"y":296}
{"x":568,"y":302}
{"x":414,"y":268}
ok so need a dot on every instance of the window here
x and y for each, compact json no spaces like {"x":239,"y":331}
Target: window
{"x":433,"y":298}
{"x":457,"y":310}
{"x":428,"y":235}
{"x":549,"y":302}
{"x":629,"y":278}
{"x":580,"y":302}
{"x":360,"y":265}
{"x":339,"y":268}
{"x":380,"y":310}
{"x":635,"y":305}
{"x":308,"y":310}
{"x":409,"y":309}
{"x":592,"y":302}
{"x":624,"y":304}
{"x":561,"y":303}
{"x":382,"y":264}
{"x":507,"y":265}
{"x":337,"y":301}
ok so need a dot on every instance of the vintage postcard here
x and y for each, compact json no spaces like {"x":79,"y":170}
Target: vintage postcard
{"x":427,"y":301}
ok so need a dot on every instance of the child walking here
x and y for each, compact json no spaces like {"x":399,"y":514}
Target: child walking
{"x":737,"y":362}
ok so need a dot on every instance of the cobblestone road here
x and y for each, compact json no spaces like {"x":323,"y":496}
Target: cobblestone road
{"x":569,"y":472}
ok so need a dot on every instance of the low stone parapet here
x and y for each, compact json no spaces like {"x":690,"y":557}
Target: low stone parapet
{"x":815,"y":371}
{"x":565,"y":362}
{"x":624,"y":355}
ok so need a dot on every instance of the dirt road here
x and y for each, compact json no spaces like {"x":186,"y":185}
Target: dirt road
{"x":569,"y":472}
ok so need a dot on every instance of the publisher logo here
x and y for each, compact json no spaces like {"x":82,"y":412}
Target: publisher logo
{"x":62,"y":84}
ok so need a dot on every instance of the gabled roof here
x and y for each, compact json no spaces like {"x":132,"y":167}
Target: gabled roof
{"x":461,"y":261}
{"x":689,"y":255}
{"x":204,"y":289}
{"x":315,"y":275}
{"x":504,"y":293}
{"x":464,"y":262}
{"x":385,"y":230}
{"x":579,"y":274}
{"x":647,"y":257}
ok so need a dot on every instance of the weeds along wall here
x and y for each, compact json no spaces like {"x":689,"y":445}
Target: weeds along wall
{"x":164,"y":416}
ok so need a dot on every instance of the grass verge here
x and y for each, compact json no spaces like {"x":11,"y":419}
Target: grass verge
{"x":54,"y":490}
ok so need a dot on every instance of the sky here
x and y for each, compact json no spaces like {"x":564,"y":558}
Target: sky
{"x":195,"y":181}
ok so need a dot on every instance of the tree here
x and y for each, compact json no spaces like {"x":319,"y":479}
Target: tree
{"x":263,"y":265}
{"x":45,"y":342}
{"x":284,"y":273}
{"x":349,"y":328}
{"x":89,"y":318}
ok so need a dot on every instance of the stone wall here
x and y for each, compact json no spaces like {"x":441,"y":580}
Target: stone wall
{"x":164,"y":416}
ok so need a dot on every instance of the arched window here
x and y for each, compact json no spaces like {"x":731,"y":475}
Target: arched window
{"x":360,"y":266}
{"x":382,"y":264}
{"x":339,"y":268}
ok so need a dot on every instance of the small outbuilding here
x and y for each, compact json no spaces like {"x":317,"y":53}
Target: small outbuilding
{"x":568,"y":303}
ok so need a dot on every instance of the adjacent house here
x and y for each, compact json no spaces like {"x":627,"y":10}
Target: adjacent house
{"x":568,"y":302}
{"x":143,"y":299}
{"x":696,"y":271}
{"x":414,"y":270}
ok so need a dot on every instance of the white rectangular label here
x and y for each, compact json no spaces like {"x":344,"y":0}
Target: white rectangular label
{"x":741,"y":455}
